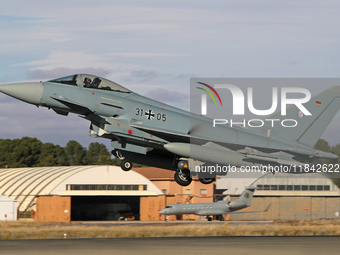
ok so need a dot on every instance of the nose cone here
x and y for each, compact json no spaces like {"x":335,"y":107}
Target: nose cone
{"x":28,"y":92}
{"x":162,"y":211}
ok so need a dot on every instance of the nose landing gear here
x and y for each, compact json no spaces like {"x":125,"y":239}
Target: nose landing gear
{"x":126,"y":165}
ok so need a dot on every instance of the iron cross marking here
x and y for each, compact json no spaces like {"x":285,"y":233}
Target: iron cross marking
{"x":149,"y":114}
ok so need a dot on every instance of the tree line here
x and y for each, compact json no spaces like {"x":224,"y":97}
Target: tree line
{"x":31,"y":152}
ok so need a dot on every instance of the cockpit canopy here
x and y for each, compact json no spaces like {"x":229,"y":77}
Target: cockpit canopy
{"x":91,"y":82}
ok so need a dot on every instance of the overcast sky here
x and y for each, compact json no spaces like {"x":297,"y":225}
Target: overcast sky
{"x":154,"y":47}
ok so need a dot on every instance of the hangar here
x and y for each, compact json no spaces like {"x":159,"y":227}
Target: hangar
{"x":80,"y":193}
{"x":77,"y":192}
{"x":292,"y":197}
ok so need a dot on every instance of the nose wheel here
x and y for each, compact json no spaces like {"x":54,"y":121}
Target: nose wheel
{"x":183,"y":177}
{"x":126,"y":165}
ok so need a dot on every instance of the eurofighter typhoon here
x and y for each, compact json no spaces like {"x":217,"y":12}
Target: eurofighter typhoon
{"x":149,"y":132}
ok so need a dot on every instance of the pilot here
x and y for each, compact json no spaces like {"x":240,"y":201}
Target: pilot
{"x":87,"y":82}
{"x":96,"y":82}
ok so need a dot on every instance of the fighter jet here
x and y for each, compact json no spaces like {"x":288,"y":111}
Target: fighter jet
{"x":148,"y":132}
{"x":215,"y":208}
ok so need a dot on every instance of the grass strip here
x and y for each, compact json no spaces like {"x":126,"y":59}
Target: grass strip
{"x":36,"y":230}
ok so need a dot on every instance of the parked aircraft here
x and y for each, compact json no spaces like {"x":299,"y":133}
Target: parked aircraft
{"x":215,"y":208}
{"x":149,"y":132}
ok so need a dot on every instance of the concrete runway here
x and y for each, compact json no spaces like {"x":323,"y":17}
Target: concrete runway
{"x":172,"y":223}
{"x":177,"y":245}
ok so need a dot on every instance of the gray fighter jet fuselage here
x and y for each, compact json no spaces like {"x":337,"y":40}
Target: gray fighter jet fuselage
{"x":149,"y":132}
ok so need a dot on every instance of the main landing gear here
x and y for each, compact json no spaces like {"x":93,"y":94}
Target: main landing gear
{"x":206,"y":180}
{"x":219,"y":217}
{"x":183,"y":178}
{"x":182,"y":175}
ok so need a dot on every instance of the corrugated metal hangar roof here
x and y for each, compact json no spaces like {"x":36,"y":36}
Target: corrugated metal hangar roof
{"x":25,"y":184}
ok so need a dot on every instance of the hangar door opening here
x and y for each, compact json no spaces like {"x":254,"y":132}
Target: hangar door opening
{"x":101,"y":208}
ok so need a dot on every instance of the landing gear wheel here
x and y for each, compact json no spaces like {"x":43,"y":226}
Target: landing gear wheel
{"x":182,"y":177}
{"x":209,"y":218}
{"x":206,"y":180}
{"x":126,"y":165}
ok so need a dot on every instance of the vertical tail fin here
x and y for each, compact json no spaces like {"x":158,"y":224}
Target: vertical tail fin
{"x":247,"y":195}
{"x":323,"y":108}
